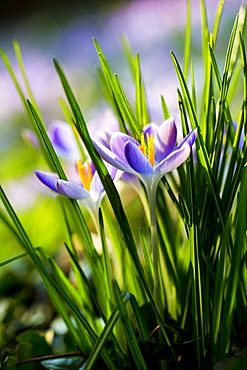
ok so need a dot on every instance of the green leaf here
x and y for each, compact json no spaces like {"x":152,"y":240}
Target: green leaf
{"x":50,"y":155}
{"x":202,"y":150}
{"x":129,"y":332}
{"x":216,"y":23}
{"x":237,"y":254}
{"x":118,"y":93}
{"x":32,"y":345}
{"x":165,"y":108}
{"x":187,"y":40}
{"x":11,"y":259}
{"x":141,"y":101}
{"x":23,"y":73}
{"x":102,"y":340}
{"x":37,"y":340}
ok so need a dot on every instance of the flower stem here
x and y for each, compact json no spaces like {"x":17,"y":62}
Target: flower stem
{"x":151,"y":191}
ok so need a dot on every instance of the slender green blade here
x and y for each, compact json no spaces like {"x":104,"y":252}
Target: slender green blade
{"x":129,"y":332}
{"x":12,"y":259}
{"x":237,"y":254}
{"x":101,"y":342}
{"x":19,"y":58}
{"x":187,"y":39}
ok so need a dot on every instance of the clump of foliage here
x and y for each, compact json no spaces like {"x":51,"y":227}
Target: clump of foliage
{"x":115,"y":318}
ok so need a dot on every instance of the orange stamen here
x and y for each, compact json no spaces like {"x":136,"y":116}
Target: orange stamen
{"x":147,"y":147}
{"x":85,"y":173}
{"x":143,"y":145}
{"x":142,"y":149}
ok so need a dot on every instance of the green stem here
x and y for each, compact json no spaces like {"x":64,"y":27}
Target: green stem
{"x":151,"y":191}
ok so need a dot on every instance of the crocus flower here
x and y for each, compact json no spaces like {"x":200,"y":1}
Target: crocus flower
{"x":61,"y":136}
{"x":90,"y":190}
{"x":152,"y":157}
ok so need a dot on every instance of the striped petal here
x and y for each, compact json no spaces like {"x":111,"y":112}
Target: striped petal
{"x":118,"y":142}
{"x":189,"y":139}
{"x":174,"y":160}
{"x":150,"y":129}
{"x":165,"y":139}
{"x":112,"y":158}
{"x":137,"y":160}
{"x":71,"y":190}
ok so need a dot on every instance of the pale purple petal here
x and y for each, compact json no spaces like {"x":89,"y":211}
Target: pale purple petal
{"x":112,"y":158}
{"x":174,"y":160}
{"x":96,"y":184}
{"x":104,"y":121}
{"x":113,"y":171}
{"x":118,"y":141}
{"x":165,"y":139}
{"x":62,"y":136}
{"x":150,"y":129}
{"x":48,"y":179}
{"x":189,"y":139}
{"x":71,"y":190}
{"x":93,"y":169}
{"x":128,"y":177}
{"x":137,"y":160}
{"x":104,"y":137}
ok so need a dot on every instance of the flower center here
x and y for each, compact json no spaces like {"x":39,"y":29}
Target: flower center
{"x":147,"y":147}
{"x":85,"y":173}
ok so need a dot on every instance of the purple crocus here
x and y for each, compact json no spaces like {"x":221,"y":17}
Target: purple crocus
{"x":62,"y":139}
{"x":90,"y":190}
{"x":152,"y":157}
{"x":149,"y":159}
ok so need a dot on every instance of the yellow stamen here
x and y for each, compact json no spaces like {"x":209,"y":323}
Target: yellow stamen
{"x":147,"y":147}
{"x":85,"y":173}
{"x":150,"y":143}
{"x":143,"y":145}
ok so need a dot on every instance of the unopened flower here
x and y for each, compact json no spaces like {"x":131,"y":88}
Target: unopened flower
{"x":61,"y":136}
{"x":90,"y":190}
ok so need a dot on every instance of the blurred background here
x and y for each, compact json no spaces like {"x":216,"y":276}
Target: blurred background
{"x":64,"y":29}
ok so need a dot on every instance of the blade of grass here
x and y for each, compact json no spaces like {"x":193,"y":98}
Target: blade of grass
{"x":48,"y":281}
{"x":128,"y":55}
{"x":16,"y":83}
{"x":128,"y":330}
{"x":22,"y":94}
{"x":216,"y":22}
{"x":237,"y":254}
{"x":218,"y":297}
{"x":202,"y":152}
{"x":12,"y":230}
{"x":187,"y":39}
{"x":118,"y":93}
{"x":69,"y":119}
{"x":56,"y":165}
{"x":12,"y":259}
{"x":102,"y":339}
{"x":165,"y":108}
{"x":20,"y":62}
{"x":107,"y":267}
{"x":109,"y":96}
{"x":141,"y":102}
